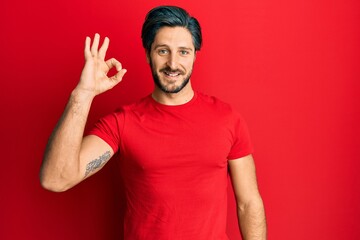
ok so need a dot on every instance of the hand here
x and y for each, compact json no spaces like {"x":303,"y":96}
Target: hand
{"x":94,"y":77}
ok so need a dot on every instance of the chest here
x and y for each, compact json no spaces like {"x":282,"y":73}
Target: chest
{"x":164,"y":141}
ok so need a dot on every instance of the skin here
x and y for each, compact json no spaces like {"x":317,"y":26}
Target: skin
{"x":250,"y":207}
{"x":70,"y":158}
{"x":171,"y":58}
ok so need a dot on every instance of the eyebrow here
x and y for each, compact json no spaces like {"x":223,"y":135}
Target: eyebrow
{"x":160,"y":45}
{"x":164,"y":45}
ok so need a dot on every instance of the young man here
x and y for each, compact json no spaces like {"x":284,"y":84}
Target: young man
{"x":175,"y":145}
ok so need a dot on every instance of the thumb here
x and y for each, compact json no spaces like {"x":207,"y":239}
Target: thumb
{"x":120,"y":71}
{"x":119,"y":75}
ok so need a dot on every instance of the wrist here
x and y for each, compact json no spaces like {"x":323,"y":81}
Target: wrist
{"x":80,"y":95}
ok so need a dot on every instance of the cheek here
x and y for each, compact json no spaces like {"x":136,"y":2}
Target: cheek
{"x":157,"y":63}
{"x":188,"y":65}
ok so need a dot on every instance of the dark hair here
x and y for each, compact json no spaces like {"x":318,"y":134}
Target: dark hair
{"x":169,"y":16}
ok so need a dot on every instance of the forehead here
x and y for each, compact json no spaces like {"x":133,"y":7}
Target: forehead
{"x":173,"y":37}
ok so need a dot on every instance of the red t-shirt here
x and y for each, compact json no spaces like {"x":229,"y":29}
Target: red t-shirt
{"x":174,"y":162}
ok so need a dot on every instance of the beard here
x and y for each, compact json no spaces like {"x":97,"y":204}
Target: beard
{"x":167,"y":89}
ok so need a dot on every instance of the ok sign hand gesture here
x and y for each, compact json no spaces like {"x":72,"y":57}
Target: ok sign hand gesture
{"x":94,"y":77}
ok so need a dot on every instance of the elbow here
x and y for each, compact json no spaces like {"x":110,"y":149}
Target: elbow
{"x":254,"y":204}
{"x":53,"y":185}
{"x":56,"y":179}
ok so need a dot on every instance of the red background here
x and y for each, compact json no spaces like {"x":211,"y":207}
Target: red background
{"x":290,"y":67}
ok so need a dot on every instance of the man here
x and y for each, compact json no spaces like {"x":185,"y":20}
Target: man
{"x":175,"y":145}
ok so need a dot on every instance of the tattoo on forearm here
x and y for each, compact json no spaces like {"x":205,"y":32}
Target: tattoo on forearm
{"x":95,"y":164}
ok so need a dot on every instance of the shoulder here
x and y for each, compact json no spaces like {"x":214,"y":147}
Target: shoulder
{"x":136,"y":108}
{"x":221,"y":109}
{"x":214,"y":103}
{"x":133,"y":106}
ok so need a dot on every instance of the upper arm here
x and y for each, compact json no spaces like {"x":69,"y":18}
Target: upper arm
{"x":94,"y":154}
{"x":243,"y":178}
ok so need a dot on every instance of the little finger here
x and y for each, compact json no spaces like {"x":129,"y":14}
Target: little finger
{"x":87,"y":51}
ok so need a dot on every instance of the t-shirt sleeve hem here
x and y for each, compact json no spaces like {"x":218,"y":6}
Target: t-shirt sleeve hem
{"x":104,"y":138}
{"x":239,"y":155}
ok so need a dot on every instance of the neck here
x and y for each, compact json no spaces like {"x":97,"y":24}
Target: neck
{"x":173,"y":99}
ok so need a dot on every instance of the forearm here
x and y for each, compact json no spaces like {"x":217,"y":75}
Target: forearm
{"x":252,"y":220}
{"x":61,"y":164}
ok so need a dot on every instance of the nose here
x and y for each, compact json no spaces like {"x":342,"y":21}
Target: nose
{"x":172,"y":61}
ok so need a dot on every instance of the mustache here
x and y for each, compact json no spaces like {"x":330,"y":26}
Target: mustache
{"x":169,"y":69}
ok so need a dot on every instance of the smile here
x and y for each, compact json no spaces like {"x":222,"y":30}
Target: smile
{"x":172,"y":74}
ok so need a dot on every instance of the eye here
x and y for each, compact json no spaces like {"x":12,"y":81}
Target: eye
{"x":184,"y":52}
{"x":163,"y":51}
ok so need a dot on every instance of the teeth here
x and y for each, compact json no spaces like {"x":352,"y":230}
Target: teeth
{"x":172,"y":74}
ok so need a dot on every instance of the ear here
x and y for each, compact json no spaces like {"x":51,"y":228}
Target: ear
{"x":147,"y":57}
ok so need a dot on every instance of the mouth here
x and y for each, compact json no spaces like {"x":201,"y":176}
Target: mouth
{"x":172,"y":74}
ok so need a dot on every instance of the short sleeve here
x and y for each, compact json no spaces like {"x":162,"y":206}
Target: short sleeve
{"x":109,"y":129}
{"x":242,"y":145}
